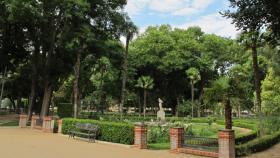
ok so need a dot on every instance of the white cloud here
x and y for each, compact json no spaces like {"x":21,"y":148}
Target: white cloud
{"x":133,"y":7}
{"x":213,"y":23}
{"x":165,"y":6}
{"x":173,"y":7}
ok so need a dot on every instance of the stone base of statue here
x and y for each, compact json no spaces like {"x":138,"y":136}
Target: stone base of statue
{"x":161,"y":116}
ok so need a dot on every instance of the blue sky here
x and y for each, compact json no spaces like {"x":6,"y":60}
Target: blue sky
{"x":182,"y":14}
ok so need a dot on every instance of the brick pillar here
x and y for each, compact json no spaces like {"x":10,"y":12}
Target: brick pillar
{"x":22,"y":121}
{"x":140,"y":136}
{"x":176,"y":138}
{"x":33,"y":121}
{"x":226,"y":144}
{"x":48,"y":124}
{"x":60,"y":126}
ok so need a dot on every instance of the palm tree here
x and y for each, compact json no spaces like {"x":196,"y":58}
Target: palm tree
{"x":194,"y":76}
{"x":130,"y":31}
{"x":221,"y":90}
{"x":146,"y":83}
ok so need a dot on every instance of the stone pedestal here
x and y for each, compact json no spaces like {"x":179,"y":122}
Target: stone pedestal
{"x":33,"y":121}
{"x":23,"y":121}
{"x":176,"y":138}
{"x":48,"y":124}
{"x":60,"y":126}
{"x":226,"y":144}
{"x":140,"y":136}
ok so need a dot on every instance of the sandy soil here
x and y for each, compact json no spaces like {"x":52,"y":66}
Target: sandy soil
{"x":26,"y":143}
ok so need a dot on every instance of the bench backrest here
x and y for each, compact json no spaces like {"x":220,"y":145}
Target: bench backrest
{"x":87,"y":126}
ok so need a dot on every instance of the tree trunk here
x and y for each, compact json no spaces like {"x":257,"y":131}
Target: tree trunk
{"x":33,"y":89}
{"x":192,"y":89}
{"x":177,"y":107}
{"x":228,"y":114}
{"x":46,"y":99}
{"x":124,"y":76}
{"x":257,"y":85}
{"x":145,"y":103}
{"x":256,"y":76}
{"x":140,"y":105}
{"x":102,"y":94}
{"x":13,"y":102}
{"x":76,"y":83}
{"x":2,"y":87}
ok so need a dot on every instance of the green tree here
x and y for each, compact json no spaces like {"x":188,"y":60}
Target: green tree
{"x":220,"y":90}
{"x":129,"y":31}
{"x":271,"y":93}
{"x":254,"y":15}
{"x":146,"y":83}
{"x":194,"y":76}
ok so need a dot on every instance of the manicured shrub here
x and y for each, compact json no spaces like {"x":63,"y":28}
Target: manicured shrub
{"x":246,"y":138}
{"x":108,"y":131}
{"x":258,"y":144}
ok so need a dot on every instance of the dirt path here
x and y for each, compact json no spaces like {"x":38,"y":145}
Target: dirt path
{"x":273,"y":152}
{"x":26,"y":143}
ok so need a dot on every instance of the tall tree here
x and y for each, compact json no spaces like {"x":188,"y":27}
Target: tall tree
{"x":220,"y":90}
{"x":194,"y":76}
{"x":130,"y":31}
{"x":146,"y":83}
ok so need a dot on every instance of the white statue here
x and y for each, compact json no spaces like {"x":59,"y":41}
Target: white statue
{"x":160,"y":113}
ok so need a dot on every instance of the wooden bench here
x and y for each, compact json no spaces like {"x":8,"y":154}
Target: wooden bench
{"x":84,"y":130}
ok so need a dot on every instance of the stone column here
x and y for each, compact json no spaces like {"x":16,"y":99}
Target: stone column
{"x":48,"y":124}
{"x":33,"y":121}
{"x":60,"y":126}
{"x":176,"y":138}
{"x":23,"y":121}
{"x":226,"y":144}
{"x":140,"y":136}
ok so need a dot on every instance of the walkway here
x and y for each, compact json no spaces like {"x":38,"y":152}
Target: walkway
{"x":26,"y":143}
{"x":273,"y":152}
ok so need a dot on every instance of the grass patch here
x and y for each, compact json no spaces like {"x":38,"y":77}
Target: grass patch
{"x":159,"y":146}
{"x":9,"y":124}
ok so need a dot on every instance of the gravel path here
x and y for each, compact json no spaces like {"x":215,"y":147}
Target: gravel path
{"x":26,"y":143}
{"x":273,"y":152}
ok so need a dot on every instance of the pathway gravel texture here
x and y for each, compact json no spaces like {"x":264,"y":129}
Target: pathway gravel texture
{"x":273,"y":152}
{"x":27,"y":143}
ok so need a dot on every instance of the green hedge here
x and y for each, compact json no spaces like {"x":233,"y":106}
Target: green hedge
{"x":109,"y":131}
{"x":243,"y":124}
{"x":257,"y":145}
{"x":246,"y":138}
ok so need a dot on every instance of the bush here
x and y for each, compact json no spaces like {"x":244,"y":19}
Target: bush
{"x":158,"y":134}
{"x":64,"y":110}
{"x":246,"y":138}
{"x":109,"y":131}
{"x":257,"y":145}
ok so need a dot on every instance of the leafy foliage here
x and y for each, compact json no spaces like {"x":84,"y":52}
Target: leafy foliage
{"x":108,"y":131}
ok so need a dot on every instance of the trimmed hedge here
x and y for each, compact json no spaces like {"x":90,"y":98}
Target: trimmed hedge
{"x":243,"y":124}
{"x":246,"y":138}
{"x":108,"y":131}
{"x":257,"y":145}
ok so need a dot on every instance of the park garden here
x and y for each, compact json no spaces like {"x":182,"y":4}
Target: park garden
{"x":85,"y":61}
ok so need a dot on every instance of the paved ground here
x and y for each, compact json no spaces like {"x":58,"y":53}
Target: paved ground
{"x":26,"y":143}
{"x":273,"y":152}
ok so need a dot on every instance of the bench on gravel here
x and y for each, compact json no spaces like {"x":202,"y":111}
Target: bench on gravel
{"x":84,"y":130}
